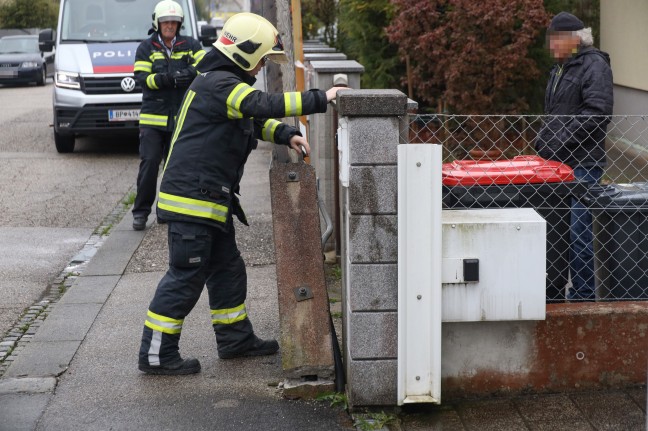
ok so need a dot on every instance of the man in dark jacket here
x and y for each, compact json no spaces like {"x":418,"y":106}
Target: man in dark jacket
{"x":578,"y":105}
{"x":219,"y":122}
{"x":164,"y":67}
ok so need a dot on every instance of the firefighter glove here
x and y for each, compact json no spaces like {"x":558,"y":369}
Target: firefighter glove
{"x":183,"y":78}
{"x":166,"y":80}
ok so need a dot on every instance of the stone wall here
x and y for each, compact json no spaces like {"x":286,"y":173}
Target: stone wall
{"x":370,"y":243}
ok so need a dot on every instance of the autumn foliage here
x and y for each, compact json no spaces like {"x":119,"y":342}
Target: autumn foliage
{"x":473,"y":56}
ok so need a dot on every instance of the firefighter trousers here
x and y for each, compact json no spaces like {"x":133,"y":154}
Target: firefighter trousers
{"x":199,"y":255}
{"x":153,"y":149}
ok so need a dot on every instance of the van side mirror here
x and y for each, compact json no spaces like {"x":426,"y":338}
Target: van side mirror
{"x":207,"y":34}
{"x":46,"y":40}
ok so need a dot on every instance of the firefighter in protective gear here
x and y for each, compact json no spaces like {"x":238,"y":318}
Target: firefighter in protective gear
{"x":165,"y":65}
{"x":219,"y":122}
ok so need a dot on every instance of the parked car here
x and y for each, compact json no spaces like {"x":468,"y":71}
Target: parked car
{"x":21,"y":61}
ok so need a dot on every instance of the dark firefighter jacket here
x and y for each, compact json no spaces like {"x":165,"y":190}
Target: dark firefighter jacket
{"x":580,"y":94}
{"x":160,"y":101}
{"x":219,"y":122}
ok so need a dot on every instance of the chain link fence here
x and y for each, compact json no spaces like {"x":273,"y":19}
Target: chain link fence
{"x":597,"y":229}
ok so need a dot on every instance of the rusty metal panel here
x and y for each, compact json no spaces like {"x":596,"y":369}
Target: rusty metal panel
{"x":306,"y":343}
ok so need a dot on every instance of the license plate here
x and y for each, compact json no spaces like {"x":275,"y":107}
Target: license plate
{"x":123,"y":114}
{"x":7,"y":73}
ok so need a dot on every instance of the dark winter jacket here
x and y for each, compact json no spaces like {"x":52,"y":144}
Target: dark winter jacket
{"x":578,"y":105}
{"x":161,"y":98}
{"x":219,"y":122}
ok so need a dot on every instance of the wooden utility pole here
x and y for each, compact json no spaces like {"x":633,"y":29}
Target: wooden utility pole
{"x":306,"y":337}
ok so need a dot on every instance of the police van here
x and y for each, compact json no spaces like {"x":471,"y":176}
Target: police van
{"x":94,"y":89}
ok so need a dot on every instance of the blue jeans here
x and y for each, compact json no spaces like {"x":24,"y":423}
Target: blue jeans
{"x":582,"y":248}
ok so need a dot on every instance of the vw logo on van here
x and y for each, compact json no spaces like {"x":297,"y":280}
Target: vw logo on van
{"x":128,"y":84}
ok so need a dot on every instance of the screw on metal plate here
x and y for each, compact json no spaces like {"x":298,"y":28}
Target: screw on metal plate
{"x":302,"y":293}
{"x":292,"y":176}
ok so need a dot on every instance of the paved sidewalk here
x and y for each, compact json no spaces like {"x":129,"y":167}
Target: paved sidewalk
{"x":80,"y":369}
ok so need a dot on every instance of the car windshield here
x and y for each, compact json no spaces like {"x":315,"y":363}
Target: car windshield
{"x":13,"y":45}
{"x":111,"y":20}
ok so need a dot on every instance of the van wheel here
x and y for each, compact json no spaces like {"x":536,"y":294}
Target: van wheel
{"x":64,"y":143}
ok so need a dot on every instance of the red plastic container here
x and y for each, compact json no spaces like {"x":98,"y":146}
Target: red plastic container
{"x":518,"y":170}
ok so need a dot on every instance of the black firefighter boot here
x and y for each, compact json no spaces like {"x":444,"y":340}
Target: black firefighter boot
{"x":238,"y":340}
{"x":159,"y":355}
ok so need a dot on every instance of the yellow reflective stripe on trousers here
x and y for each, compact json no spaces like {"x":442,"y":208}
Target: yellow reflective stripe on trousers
{"x":164,"y":324}
{"x":192,"y":207}
{"x":293,"y":103}
{"x":227,"y":316}
{"x":143,"y":66}
{"x":150,"y":82}
{"x":180,"y":118}
{"x":235,"y":98}
{"x":153,"y":120}
{"x":269,"y":127}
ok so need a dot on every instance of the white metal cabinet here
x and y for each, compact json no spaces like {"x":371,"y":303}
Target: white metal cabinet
{"x":510,"y":246}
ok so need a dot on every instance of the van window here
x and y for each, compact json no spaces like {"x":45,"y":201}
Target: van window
{"x":111,"y":20}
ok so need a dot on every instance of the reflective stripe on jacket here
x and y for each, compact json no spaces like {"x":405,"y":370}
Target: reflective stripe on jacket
{"x":160,"y":103}
{"x":218,"y":125}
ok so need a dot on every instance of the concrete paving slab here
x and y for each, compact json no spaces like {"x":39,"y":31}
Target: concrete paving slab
{"x":22,"y":412}
{"x":90,"y":289}
{"x":547,"y":408}
{"x":27,"y":385}
{"x":113,"y":256}
{"x":431,"y":418}
{"x":610,"y":410}
{"x":43,"y":358}
{"x":67,"y":322}
{"x":490,"y":415}
{"x":577,"y":425}
{"x":639,"y":396}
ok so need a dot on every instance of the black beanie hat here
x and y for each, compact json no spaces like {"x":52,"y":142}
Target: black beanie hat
{"x":565,"y":21}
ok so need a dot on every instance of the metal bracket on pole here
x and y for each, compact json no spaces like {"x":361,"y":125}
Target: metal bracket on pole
{"x":303,"y":293}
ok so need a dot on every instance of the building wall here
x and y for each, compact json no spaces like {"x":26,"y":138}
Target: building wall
{"x":624,"y":31}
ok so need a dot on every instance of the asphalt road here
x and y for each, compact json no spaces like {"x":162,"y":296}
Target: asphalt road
{"x":50,"y":203}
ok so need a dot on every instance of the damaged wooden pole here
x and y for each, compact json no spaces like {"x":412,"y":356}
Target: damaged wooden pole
{"x":304,"y":314}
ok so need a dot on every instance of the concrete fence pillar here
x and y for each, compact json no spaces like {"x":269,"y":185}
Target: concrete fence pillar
{"x":372,"y":120}
{"x":310,"y":48}
{"x":323,"y":56}
{"x":322,"y":128}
